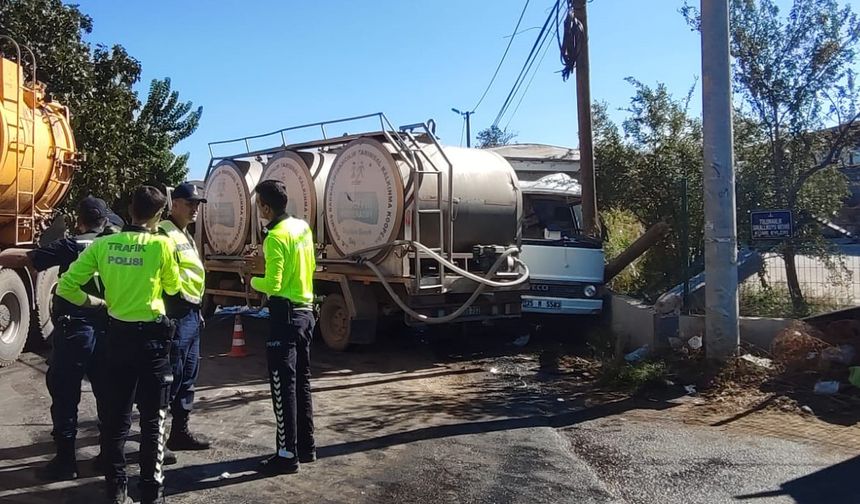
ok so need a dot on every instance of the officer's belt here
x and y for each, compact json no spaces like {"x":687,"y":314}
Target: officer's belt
{"x":153,"y":329}
{"x":291,"y":304}
{"x":177,"y":305}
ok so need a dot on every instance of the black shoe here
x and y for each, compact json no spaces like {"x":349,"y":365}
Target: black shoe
{"x":169,"y":457}
{"x":118,"y":494}
{"x":152,"y":496}
{"x":181,"y":440}
{"x":307,"y":458}
{"x":280,"y":465}
{"x":59,"y":469}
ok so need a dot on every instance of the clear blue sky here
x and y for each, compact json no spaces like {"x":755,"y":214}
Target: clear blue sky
{"x":260,"y":65}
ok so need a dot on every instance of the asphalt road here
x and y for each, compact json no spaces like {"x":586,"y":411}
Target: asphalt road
{"x":405,"y":422}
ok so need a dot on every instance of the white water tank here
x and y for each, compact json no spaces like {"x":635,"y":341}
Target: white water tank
{"x":229,"y":212}
{"x":369,"y":194}
{"x":304,"y":174}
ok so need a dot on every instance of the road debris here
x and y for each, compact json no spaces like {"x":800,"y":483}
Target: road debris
{"x":758,"y":361}
{"x":826,"y":387}
{"x":798,"y":346}
{"x":637,"y":355}
{"x":854,"y":376}
{"x":842,"y":354}
{"x":521,"y":341}
{"x":695,"y":342}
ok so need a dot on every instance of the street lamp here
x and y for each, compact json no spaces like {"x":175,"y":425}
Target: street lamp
{"x":467,"y":115}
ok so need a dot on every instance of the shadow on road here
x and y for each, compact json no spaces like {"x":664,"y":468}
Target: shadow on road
{"x":834,"y":485}
{"x":205,"y":476}
{"x":557,"y":421}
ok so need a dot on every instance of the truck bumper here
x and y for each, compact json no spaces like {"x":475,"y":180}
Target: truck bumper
{"x":562,"y":306}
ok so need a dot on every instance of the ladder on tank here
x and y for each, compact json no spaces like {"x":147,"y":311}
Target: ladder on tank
{"x":422,"y":165}
{"x":23,"y":145}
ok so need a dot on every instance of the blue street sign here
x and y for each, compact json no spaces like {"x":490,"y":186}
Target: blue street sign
{"x":771,"y":224}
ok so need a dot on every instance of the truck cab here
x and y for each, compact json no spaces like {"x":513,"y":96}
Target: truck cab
{"x":566,"y":267}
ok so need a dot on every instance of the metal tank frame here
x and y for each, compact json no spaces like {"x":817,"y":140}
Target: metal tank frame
{"x":355,"y":290}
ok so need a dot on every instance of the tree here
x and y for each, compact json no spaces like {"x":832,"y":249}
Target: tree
{"x":125,"y":143}
{"x":494,"y":137}
{"x":163,"y":122}
{"x":796,"y":102}
{"x":642,"y":171}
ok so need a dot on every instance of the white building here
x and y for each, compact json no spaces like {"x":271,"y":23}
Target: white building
{"x":533,"y":161}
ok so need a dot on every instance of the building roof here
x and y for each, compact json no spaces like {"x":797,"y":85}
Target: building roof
{"x":557,"y":184}
{"x":537,"y":152}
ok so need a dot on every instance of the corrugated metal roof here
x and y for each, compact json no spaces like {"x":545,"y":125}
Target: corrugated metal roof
{"x":557,"y":184}
{"x":537,"y":152}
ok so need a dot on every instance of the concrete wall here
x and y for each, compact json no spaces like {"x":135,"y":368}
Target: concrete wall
{"x":635,"y":323}
{"x":757,"y":331}
{"x":632,"y":321}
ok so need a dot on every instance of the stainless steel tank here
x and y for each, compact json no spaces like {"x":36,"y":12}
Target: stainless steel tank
{"x":369,"y":197}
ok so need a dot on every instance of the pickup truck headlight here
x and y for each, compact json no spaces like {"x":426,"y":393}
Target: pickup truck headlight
{"x":589,"y":291}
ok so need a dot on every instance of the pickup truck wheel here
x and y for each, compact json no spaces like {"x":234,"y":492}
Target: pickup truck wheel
{"x":14,"y":316}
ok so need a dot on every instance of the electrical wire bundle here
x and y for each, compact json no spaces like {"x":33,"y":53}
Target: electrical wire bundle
{"x":540,"y":48}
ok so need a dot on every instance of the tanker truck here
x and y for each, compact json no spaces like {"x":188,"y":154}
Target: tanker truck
{"x":404,"y":228}
{"x":37,"y":160}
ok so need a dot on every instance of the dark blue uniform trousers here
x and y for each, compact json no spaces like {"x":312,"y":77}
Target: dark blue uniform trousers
{"x":78,"y":342}
{"x":185,"y":360}
{"x":138,"y":361}
{"x":288,"y":352}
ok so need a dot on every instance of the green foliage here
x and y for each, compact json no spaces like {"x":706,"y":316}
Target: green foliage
{"x":775,"y":301}
{"x":125,"y":143}
{"x":494,"y":137}
{"x":796,"y":113}
{"x":635,"y":376}
{"x":642,"y":172}
{"x":622,"y":229}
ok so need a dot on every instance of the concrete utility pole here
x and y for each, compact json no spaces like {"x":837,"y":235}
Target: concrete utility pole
{"x":468,"y":116}
{"x":583,"y":109}
{"x":721,"y":242}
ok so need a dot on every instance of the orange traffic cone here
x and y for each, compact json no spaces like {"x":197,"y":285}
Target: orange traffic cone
{"x":238,"y":348}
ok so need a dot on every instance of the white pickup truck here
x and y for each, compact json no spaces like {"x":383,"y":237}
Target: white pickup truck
{"x":566,"y":267}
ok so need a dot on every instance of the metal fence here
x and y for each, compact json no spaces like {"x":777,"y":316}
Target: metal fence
{"x":838,"y":281}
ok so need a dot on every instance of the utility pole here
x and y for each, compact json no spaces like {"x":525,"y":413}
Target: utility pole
{"x":721,"y":252}
{"x":468,"y":116}
{"x":583,"y":109}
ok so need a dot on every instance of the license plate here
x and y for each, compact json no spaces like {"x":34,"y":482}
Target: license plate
{"x":541,"y":303}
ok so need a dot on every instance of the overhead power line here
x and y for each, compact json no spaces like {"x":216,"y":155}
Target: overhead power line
{"x":529,"y":62}
{"x":547,"y":46}
{"x":499,"y":66}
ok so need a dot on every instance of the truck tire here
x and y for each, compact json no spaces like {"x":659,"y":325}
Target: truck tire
{"x":334,"y":322}
{"x":14,"y":316}
{"x":46,"y":284}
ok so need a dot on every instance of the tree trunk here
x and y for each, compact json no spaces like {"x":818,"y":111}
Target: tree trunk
{"x":797,"y":300}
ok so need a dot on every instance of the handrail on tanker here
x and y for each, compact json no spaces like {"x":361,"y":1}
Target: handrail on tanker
{"x":282,"y":132}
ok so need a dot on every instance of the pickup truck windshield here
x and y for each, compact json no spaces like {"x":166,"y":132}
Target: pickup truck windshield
{"x":553,"y":215}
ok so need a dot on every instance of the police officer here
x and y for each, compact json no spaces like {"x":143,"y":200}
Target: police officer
{"x":288,"y":282}
{"x":184,"y":309}
{"x":78,"y":337}
{"x":136,"y":266}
